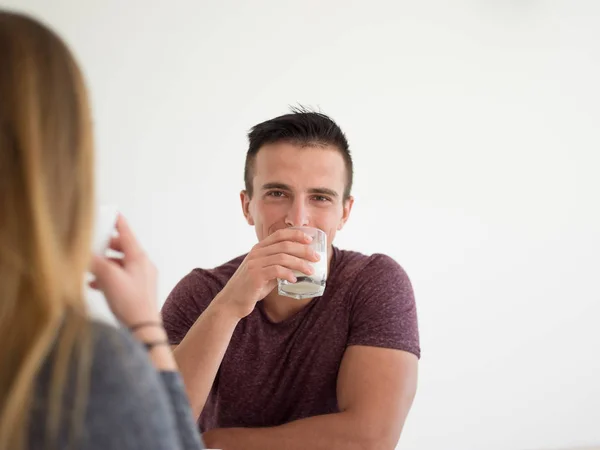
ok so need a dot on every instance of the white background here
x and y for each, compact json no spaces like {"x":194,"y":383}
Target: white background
{"x":475,"y":132}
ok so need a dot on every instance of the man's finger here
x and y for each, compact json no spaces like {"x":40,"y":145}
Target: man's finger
{"x":286,"y":234}
{"x":296,"y":249}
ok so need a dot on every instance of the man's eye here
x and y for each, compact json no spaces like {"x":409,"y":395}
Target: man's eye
{"x":276,"y":194}
{"x":321,"y":198}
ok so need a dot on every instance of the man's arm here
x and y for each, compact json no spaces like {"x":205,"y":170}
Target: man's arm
{"x":201,"y":351}
{"x":376,"y":387}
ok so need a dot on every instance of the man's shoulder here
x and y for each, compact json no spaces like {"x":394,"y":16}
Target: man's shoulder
{"x":353,"y":261}
{"x":218,"y":276}
{"x":368,"y":272}
{"x":197,"y":289}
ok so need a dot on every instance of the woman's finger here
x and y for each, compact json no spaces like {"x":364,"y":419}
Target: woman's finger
{"x":105,"y":269}
{"x":127,"y":239}
{"x":118,"y":261}
{"x":101,"y":268}
{"x":115,"y":244}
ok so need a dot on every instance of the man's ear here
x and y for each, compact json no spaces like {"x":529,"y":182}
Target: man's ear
{"x":346,"y":213}
{"x":245,"y":199}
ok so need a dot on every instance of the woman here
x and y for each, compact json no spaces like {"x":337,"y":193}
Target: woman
{"x":65,"y":381}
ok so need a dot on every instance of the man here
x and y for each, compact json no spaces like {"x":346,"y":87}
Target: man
{"x":264,"y":371}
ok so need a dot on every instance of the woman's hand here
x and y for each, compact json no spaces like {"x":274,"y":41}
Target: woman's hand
{"x":128,"y":283}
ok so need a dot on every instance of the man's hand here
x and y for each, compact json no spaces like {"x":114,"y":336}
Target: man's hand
{"x":276,"y":256}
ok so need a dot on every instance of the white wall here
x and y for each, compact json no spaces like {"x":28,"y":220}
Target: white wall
{"x":474,"y":126}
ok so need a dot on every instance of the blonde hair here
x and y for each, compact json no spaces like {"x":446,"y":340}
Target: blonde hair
{"x":46,"y":193}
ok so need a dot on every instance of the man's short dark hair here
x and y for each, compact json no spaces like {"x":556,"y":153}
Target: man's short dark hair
{"x":304,"y":128}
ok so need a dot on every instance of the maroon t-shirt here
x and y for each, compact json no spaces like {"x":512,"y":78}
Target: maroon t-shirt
{"x":273,"y":373}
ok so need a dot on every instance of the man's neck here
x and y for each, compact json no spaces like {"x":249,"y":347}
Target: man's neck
{"x":279,"y":308}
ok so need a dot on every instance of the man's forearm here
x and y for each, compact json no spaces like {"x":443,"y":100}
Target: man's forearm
{"x":328,"y":432}
{"x":200,"y":353}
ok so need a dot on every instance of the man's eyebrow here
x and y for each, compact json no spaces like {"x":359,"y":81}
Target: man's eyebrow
{"x":322,"y":190}
{"x":282,"y":186}
{"x":285,"y":187}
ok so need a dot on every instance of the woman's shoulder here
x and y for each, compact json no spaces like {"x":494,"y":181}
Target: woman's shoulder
{"x":117,"y":359}
{"x":110,"y":340}
{"x":119,"y":389}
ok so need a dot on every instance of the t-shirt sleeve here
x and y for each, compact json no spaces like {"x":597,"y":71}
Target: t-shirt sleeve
{"x":384,"y":312}
{"x":188,"y":299}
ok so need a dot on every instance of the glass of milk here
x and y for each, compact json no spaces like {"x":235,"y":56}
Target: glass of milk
{"x":309,"y":286}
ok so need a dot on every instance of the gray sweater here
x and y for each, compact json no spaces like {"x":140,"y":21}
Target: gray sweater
{"x":130,"y":406}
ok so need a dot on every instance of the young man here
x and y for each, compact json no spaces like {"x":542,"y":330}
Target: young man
{"x":264,"y":371}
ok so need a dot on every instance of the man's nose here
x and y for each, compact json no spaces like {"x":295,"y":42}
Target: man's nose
{"x":297,"y":215}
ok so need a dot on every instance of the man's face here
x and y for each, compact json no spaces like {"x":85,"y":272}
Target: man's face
{"x":297,"y":186}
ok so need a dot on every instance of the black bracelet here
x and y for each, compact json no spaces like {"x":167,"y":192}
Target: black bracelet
{"x":137,"y":326}
{"x":150,"y":345}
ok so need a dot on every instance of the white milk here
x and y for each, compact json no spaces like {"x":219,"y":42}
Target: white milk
{"x":310,"y":286}
{"x":320,"y":268}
